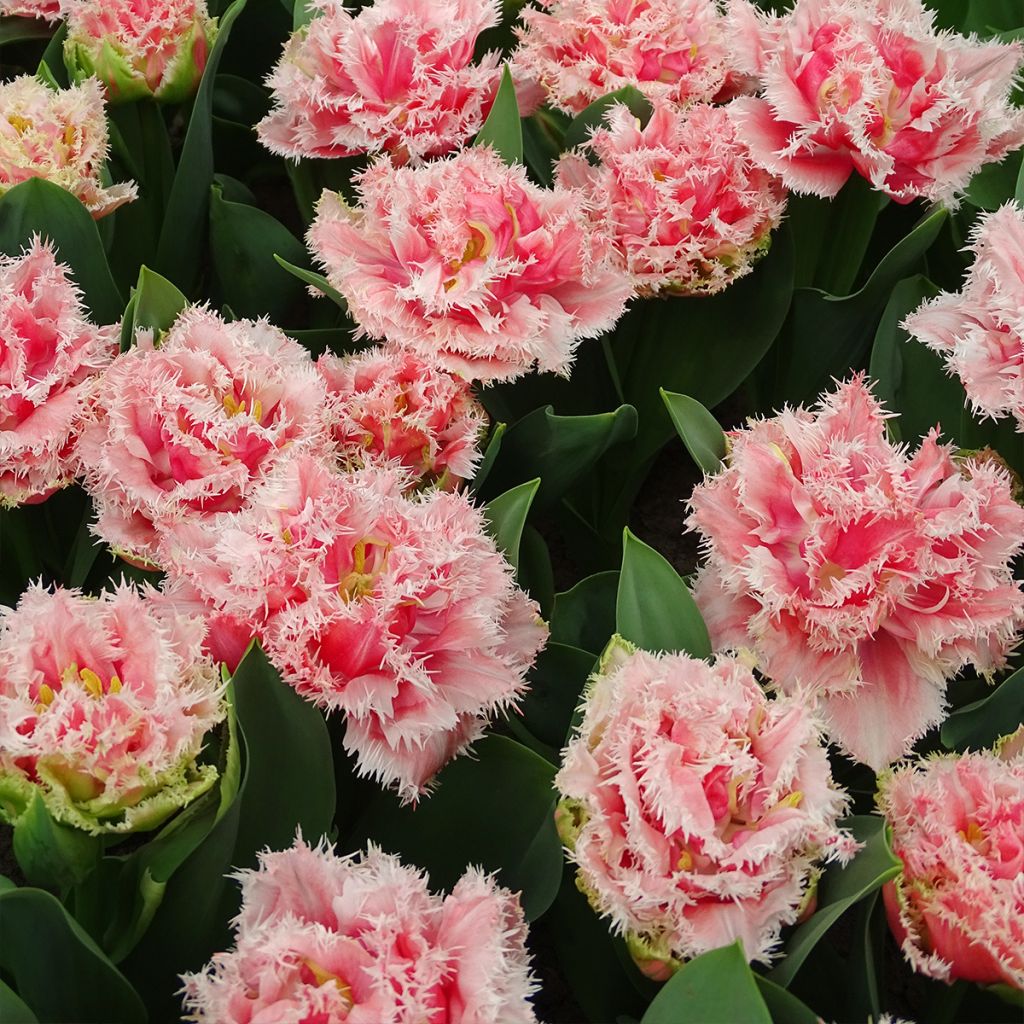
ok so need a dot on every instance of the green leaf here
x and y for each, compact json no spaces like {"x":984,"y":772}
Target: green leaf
{"x":584,"y":616}
{"x":783,"y":1006}
{"x":13,"y":1010}
{"x":20,"y":30}
{"x":851,"y":221}
{"x":994,"y":184}
{"x":502,"y":130}
{"x":506,"y":517}
{"x":302,"y":13}
{"x":592,"y":116}
{"x":154,"y":305}
{"x":490,"y":454}
{"x":1018,"y":193}
{"x":53,"y":57}
{"x":654,"y":608}
{"x":50,"y":854}
{"x":717,"y":987}
{"x":39,"y":207}
{"x":316,"y":280}
{"x":244,"y":246}
{"x":698,"y":429}
{"x":839,"y":889}
{"x":184,"y":228}
{"x":980,"y":724}
{"x":56,"y":968}
{"x":494,"y":809}
{"x":559,"y":449}
{"x":556,"y":684}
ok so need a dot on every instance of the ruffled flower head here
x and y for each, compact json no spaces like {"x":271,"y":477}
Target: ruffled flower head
{"x":45,"y":10}
{"x":139,"y":48}
{"x":696,"y":810}
{"x":390,"y":405}
{"x":871,"y":86}
{"x":980,"y":330}
{"x":397,"y":76}
{"x":581,"y":50}
{"x":400,"y":613}
{"x":470,"y":265}
{"x":688,"y":209}
{"x":325,"y":938}
{"x":186,"y":429}
{"x":104,"y":703}
{"x":59,"y":135}
{"x":49,"y":357}
{"x":858,"y":572}
{"x":958,"y":826}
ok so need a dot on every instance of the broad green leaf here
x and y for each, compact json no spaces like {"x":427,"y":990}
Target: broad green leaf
{"x":783,"y":1006}
{"x":654,"y":608}
{"x":302,"y":13}
{"x":506,"y":516}
{"x":1019,"y":191}
{"x":994,"y":184}
{"x":698,"y":429}
{"x":490,"y":454}
{"x":584,"y":616}
{"x":13,"y":1009}
{"x":558,"y":449}
{"x":52,"y":855}
{"x":556,"y":684}
{"x":536,"y":574}
{"x":503,"y":130}
{"x":316,"y":280}
{"x":53,"y":57}
{"x":39,"y":207}
{"x":56,"y":968}
{"x":494,"y":809}
{"x":592,"y":117}
{"x":20,"y":30}
{"x":980,"y":724}
{"x":839,"y":889}
{"x":154,"y":305}
{"x":717,"y":987}
{"x":851,"y":220}
{"x":245,"y":242}
{"x":184,"y":228}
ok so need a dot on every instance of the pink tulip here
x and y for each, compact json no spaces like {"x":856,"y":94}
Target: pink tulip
{"x":46,"y":10}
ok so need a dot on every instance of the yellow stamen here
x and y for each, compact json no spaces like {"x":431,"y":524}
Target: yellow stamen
{"x":232,"y":406}
{"x":257,"y":410}
{"x":685,"y":862}
{"x":19,"y":124}
{"x":515,"y":220}
{"x":322,"y":976}
{"x":46,"y":695}
{"x":69,"y":135}
{"x":92,"y":682}
{"x":794,"y":799}
{"x":286,"y":536}
{"x":114,"y":686}
{"x":481,"y":246}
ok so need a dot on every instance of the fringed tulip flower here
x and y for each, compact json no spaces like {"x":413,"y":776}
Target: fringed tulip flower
{"x":49,"y":357}
{"x":390,"y":405}
{"x":980,"y":330}
{"x":470,"y":265}
{"x":401,"y":613}
{"x":45,"y":10}
{"x":323,"y":938}
{"x":958,"y":826}
{"x":139,"y":48}
{"x":397,"y":76}
{"x":186,"y":429}
{"x":696,"y":809}
{"x":581,"y":50}
{"x":870,"y":86}
{"x":59,"y":135}
{"x":688,"y":209}
{"x":104,"y":703}
{"x":856,"y":572}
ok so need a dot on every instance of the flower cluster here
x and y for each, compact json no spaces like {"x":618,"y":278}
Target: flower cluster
{"x":958,"y":826}
{"x":397,"y":76}
{"x":870,"y":86}
{"x":104,"y":703}
{"x":581,"y":50}
{"x":695,"y":808}
{"x":688,"y":209}
{"x":392,"y":406}
{"x":186,"y":429}
{"x":980,"y":330}
{"x":857,"y":573}
{"x":321,"y":937}
{"x":139,"y":48}
{"x":470,"y":265}
{"x":49,"y":356}
{"x":59,"y":135}
{"x":399,"y":612}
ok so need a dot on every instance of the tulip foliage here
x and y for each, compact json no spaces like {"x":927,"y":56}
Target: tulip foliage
{"x":511,"y":511}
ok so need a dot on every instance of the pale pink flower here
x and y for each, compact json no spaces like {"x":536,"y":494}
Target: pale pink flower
{"x":581,"y":50}
{"x":59,"y":135}
{"x":362,"y":939}
{"x":389,"y":404}
{"x":104,"y":703}
{"x":49,"y":357}
{"x":871,"y":86}
{"x":980,"y":330}
{"x":397,"y":76}
{"x":958,"y":826}
{"x":696,"y":810}
{"x":186,"y":429}
{"x":857,"y":572}
{"x":399,"y":612}
{"x":688,"y":209}
{"x":47,"y":10}
{"x":471,"y":265}
{"x":139,"y":48}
